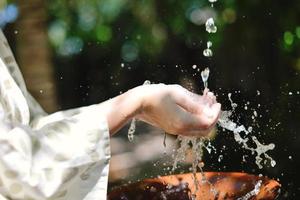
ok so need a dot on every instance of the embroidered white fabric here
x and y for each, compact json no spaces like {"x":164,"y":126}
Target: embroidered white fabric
{"x":61,"y":156}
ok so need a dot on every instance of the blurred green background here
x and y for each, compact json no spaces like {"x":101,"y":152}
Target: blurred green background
{"x":77,"y":52}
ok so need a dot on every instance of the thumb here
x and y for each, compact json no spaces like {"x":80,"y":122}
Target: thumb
{"x":209,"y":116}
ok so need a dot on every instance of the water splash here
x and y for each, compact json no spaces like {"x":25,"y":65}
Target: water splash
{"x":260,"y":150}
{"x":233,"y":105}
{"x":196,"y":145}
{"x":253,"y":192}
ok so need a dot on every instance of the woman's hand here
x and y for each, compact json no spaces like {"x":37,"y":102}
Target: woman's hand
{"x":169,"y":107}
{"x":177,"y":110}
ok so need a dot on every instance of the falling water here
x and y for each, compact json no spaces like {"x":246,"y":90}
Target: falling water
{"x":131,"y":130}
{"x":132,"y":126}
{"x":204,"y":76}
{"x":197,"y":144}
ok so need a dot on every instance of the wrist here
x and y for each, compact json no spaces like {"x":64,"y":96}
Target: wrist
{"x":134,"y":99}
{"x":124,"y":107}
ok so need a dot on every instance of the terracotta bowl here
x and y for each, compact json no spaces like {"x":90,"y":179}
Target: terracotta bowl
{"x":229,"y":186}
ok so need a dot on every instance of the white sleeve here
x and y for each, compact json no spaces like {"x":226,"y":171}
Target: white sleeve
{"x":39,"y":162}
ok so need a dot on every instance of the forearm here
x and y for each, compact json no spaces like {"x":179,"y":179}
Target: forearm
{"x":119,"y":110}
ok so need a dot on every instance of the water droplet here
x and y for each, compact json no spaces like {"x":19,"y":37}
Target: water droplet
{"x":210,"y":26}
{"x":250,"y":129}
{"x":255,"y":113}
{"x":194,"y":66}
{"x":201,"y":165}
{"x":209,"y":44}
{"x":147,"y":82}
{"x":131,"y":130}
{"x":290,"y":93}
{"x":122,"y":65}
{"x":273,"y":163}
{"x":220,"y":158}
{"x":204,"y":76}
{"x":207,"y":53}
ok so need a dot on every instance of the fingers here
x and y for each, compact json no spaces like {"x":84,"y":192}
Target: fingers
{"x":192,"y":102}
{"x":201,"y":124}
{"x":206,"y":90}
{"x":216,"y":108}
{"x":179,"y":111}
{"x":195,"y":124}
{"x":186,"y":99}
{"x":212,"y":97}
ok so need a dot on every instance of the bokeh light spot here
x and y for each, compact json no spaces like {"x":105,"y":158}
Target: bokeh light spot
{"x":288,"y":38}
{"x":229,"y":15}
{"x":298,"y":32}
{"x":199,"y":16}
{"x":87,"y":17}
{"x":104,"y":33}
{"x":159,"y":32}
{"x":297,"y":64}
{"x":8,"y":15}
{"x":57,"y":33}
{"x":129,"y":51}
{"x":71,"y":46}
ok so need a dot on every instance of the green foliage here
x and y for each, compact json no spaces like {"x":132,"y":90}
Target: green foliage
{"x":146,"y":23}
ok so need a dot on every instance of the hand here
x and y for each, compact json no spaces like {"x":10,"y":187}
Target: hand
{"x":177,"y":110}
